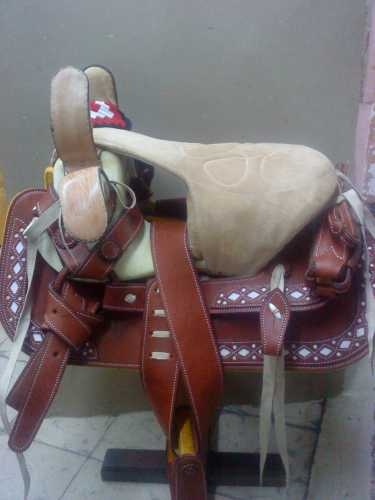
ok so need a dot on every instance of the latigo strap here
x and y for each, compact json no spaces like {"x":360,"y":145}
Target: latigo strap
{"x":178,"y":334}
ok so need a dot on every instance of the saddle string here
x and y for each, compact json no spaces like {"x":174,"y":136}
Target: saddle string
{"x":62,"y":236}
{"x":115,"y":185}
{"x":273,"y":394}
{"x":34,"y":234}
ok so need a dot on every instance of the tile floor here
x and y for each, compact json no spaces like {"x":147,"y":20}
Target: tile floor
{"x":330,"y":457}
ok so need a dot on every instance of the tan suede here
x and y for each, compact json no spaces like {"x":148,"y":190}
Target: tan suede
{"x":101,"y":84}
{"x":245,"y":201}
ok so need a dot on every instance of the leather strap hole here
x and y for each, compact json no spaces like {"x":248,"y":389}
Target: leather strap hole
{"x":54,"y":311}
{"x":55,"y":354}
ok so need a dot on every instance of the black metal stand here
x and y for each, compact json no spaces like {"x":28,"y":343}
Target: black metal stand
{"x":223,"y":468}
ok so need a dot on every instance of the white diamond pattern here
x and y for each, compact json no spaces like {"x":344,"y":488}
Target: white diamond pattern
{"x":304,"y":352}
{"x":234,"y":296}
{"x":19,"y":247}
{"x":296,"y":294}
{"x":14,"y":307}
{"x":37,"y":337}
{"x":224,"y":352}
{"x":17,"y":268}
{"x":326,"y":351}
{"x":345,"y":344}
{"x":360,"y":332}
{"x":14,"y":287}
{"x":253,"y":295}
{"x":244,"y":352}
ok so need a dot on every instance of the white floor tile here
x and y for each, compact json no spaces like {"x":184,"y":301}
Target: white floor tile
{"x":89,"y":486}
{"x":342,"y":465}
{"x":138,"y":430}
{"x":51,"y":471}
{"x":75,"y":434}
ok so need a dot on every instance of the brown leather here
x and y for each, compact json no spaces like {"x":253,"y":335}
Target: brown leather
{"x":274,"y":319}
{"x":43,"y":379}
{"x":98,"y":261}
{"x":160,"y":378}
{"x":69,"y":322}
{"x":101,"y":261}
{"x":236,"y":324}
{"x":189,"y":324}
{"x":336,"y":252}
{"x":187,"y":478}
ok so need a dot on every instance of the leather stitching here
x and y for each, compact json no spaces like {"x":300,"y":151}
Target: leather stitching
{"x":52,"y":394}
{"x":203,"y":311}
{"x":70,"y":311}
{"x":171,"y":327}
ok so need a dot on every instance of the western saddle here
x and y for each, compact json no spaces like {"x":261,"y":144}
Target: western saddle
{"x":260,"y":270}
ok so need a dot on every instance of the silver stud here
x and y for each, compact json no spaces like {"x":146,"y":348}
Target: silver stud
{"x":130,"y":298}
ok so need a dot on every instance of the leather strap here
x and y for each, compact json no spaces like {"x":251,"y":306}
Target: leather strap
{"x":187,"y":478}
{"x":335,"y":253}
{"x":178,"y":333}
{"x":189,"y":326}
{"x":103,"y":258}
{"x":70,"y":322}
{"x":95,"y":263}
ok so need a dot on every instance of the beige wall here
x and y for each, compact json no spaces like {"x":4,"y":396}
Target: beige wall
{"x":212,"y":70}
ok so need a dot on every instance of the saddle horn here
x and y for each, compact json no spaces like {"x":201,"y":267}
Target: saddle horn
{"x":84,"y":194}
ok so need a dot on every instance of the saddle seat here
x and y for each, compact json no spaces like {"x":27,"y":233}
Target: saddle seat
{"x":240,"y":197}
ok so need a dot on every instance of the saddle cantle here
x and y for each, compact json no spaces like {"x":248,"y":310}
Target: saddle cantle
{"x":149,"y":294}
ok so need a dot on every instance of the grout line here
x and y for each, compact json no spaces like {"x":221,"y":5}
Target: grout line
{"x":73,"y":478}
{"x":111,"y":422}
{"x":224,"y":495}
{"x":68,"y":450}
{"x":244,"y":414}
{"x":89,"y":457}
{"x":316,"y":444}
{"x":74,"y":452}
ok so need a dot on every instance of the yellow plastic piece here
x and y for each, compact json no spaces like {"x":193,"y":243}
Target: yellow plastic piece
{"x":48,"y":176}
{"x":185,"y":436}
